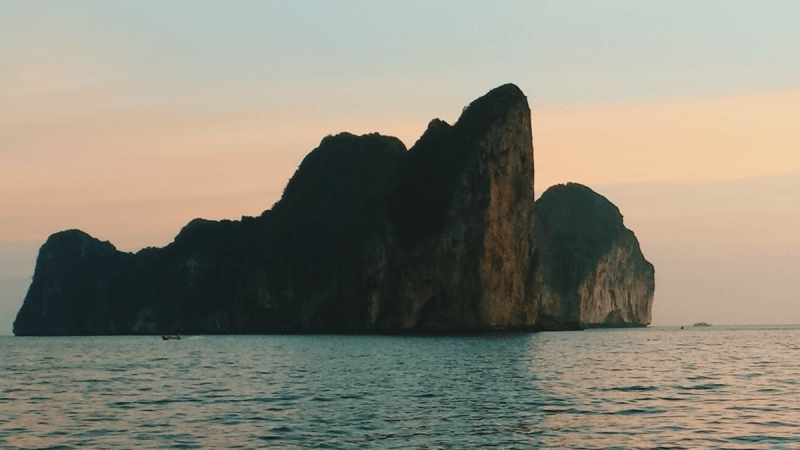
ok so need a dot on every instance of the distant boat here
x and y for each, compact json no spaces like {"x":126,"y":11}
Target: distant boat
{"x":701,"y":324}
{"x":169,"y":337}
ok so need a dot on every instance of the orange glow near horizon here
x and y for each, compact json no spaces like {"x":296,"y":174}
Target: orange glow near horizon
{"x":669,"y":141}
{"x":133,"y":172}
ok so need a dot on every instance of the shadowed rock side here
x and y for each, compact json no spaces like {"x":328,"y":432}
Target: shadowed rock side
{"x":309,"y":276}
{"x":591,"y":270}
{"x":285,"y":271}
{"x":73,"y":288}
{"x":368,"y":238}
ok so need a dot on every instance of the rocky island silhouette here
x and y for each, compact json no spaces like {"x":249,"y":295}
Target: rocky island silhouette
{"x":369,"y":237}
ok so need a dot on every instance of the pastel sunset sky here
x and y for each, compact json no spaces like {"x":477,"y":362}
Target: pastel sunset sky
{"x":128,"y":119}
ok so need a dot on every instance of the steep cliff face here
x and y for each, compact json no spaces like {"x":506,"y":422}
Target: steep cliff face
{"x":74,"y":287}
{"x":591,"y":270}
{"x":455,"y":253}
{"x":370,"y":238}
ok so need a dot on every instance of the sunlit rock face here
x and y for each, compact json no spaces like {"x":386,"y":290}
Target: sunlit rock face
{"x":435,"y":239}
{"x":369,"y":237}
{"x":591,"y":270}
{"x":456,"y":251}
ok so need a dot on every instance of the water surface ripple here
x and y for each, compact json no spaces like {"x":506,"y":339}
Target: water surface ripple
{"x":732,"y":388}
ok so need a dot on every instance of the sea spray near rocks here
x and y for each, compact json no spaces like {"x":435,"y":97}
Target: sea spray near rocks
{"x":370,"y":238}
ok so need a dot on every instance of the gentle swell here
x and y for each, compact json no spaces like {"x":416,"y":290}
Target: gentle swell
{"x":640,"y":388}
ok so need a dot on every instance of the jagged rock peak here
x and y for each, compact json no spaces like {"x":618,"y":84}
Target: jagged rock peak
{"x":344,"y":159}
{"x":493,"y":107}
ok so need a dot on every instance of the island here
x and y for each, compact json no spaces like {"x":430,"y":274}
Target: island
{"x":370,"y":237}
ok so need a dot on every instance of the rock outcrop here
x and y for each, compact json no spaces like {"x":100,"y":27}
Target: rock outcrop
{"x":368,"y":238}
{"x":292,"y":269}
{"x":591,"y":270}
{"x":74,"y":287}
{"x":456,"y":250}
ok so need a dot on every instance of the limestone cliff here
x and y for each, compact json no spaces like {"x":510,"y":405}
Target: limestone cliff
{"x":369,"y":237}
{"x":456,"y":251}
{"x":591,"y":270}
{"x":74,"y":287}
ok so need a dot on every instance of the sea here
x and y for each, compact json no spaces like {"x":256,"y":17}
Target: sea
{"x":660,"y":387}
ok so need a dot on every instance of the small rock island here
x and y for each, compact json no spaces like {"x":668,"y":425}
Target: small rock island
{"x":370,"y":237}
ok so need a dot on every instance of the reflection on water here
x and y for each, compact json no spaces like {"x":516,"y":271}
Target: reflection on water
{"x":645,"y":388}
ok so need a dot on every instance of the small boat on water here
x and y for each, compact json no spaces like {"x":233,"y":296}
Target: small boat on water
{"x":169,"y":337}
{"x":701,"y":324}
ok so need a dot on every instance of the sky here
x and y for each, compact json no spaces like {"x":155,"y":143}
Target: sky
{"x":128,"y":119}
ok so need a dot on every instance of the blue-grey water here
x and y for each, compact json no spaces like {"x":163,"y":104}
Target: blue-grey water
{"x":732,"y":388}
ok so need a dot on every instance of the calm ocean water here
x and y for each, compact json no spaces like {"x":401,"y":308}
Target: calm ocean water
{"x":644,"y":388}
